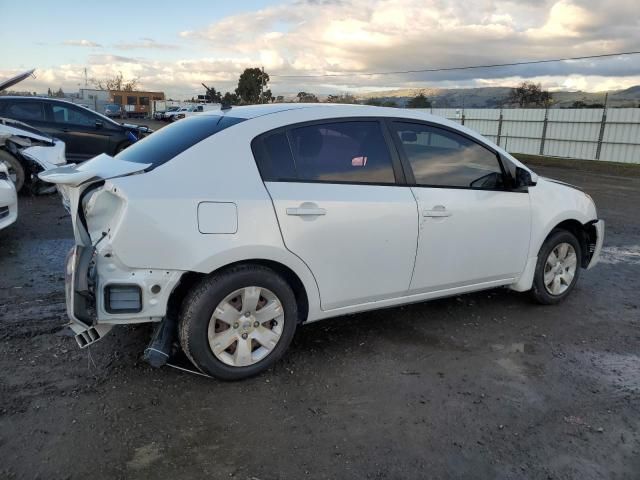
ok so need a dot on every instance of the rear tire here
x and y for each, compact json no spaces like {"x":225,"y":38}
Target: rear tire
{"x":16,"y":170}
{"x":223,"y":328}
{"x":557,"y":268}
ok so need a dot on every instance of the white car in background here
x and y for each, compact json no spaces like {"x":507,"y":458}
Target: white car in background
{"x":232,"y":228}
{"x":8,"y":198}
{"x":186,"y":112}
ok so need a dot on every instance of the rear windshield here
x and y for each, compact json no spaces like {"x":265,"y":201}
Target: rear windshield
{"x":164,"y":144}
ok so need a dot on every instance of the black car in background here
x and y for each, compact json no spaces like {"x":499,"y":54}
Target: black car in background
{"x":85,"y":132}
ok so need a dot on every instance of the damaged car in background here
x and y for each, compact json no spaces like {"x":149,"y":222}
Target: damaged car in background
{"x":232,"y":228}
{"x":27,"y":151}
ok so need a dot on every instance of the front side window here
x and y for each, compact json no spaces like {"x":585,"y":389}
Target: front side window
{"x":25,"y":111}
{"x":69,"y":115}
{"x":354,"y":152}
{"x":442,"y":158}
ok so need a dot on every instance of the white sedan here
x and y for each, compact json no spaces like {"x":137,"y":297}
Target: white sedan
{"x":231,"y":228}
{"x":8,"y":198}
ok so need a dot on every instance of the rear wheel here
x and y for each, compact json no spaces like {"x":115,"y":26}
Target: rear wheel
{"x":16,"y":170}
{"x":558,"y":268}
{"x":238,"y":323}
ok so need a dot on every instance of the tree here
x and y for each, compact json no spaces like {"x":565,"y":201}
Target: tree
{"x":419,"y":101}
{"x":529,"y":94}
{"x":252,"y":87}
{"x":59,"y":93}
{"x":49,"y":93}
{"x":343,"y":98}
{"x":304,"y":97}
{"x":230,"y":98}
{"x":116,"y":82}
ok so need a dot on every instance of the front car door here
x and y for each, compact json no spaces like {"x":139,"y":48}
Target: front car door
{"x":85,"y":134}
{"x":333,"y":186}
{"x":474,"y":231}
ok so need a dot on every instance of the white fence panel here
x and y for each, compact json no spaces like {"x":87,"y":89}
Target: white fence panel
{"x":571,"y":133}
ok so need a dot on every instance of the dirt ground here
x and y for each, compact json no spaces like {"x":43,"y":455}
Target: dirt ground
{"x":487,"y":385}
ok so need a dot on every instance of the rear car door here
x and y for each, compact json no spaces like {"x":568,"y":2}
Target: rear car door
{"x":29,"y":111}
{"x":84,"y":133}
{"x":333,"y":186}
{"x":474,"y":230}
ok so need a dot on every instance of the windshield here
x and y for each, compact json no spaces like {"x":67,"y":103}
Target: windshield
{"x":164,"y":144}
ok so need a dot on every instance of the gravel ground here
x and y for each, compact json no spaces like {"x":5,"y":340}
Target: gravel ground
{"x":487,"y":385}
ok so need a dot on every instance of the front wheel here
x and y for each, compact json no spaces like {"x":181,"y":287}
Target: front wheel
{"x":238,"y":323}
{"x":17,"y":172}
{"x":557,"y":269}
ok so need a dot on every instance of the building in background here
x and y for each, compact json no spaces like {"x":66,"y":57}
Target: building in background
{"x":135,"y":104}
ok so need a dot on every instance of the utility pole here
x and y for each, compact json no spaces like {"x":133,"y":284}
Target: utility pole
{"x":85,"y":77}
{"x":261,"y":84}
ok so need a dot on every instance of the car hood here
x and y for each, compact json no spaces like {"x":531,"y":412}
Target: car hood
{"x":17,"y":79}
{"x":102,"y":167}
{"x":139,"y":128}
{"x":14,"y":128}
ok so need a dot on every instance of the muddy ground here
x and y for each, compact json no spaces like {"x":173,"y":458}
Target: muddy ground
{"x":487,"y":385}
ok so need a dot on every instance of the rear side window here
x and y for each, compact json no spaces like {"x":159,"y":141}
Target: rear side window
{"x":349,"y":152}
{"x":164,"y":144}
{"x":354,"y":152}
{"x":274,"y":158}
{"x":442,"y":158}
{"x":25,"y":111}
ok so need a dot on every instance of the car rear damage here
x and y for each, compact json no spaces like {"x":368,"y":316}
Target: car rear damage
{"x":101,"y":289}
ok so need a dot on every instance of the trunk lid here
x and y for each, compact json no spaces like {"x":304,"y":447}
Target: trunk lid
{"x":102,"y":167}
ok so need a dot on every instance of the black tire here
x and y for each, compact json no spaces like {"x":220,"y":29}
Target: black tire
{"x":200,"y":303}
{"x":15,"y":168}
{"x":539,"y":292}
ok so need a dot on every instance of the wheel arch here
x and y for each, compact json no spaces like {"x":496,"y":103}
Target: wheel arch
{"x":584,"y":232}
{"x":189,"y":279}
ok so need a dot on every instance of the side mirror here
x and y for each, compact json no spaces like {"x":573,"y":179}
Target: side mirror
{"x":99,"y":124}
{"x":524,"y":178}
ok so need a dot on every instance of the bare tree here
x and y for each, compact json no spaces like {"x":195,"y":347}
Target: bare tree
{"x":117,"y":83}
{"x":529,"y":94}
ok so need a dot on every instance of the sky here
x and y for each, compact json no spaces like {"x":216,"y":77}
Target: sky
{"x":174,"y":46}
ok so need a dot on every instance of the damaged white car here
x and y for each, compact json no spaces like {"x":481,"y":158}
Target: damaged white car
{"x":232,"y":228}
{"x":25,"y":150}
{"x":8,"y":198}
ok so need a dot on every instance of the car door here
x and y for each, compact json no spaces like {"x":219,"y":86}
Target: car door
{"x":473,"y":229}
{"x":333,"y":186}
{"x":84,"y":133}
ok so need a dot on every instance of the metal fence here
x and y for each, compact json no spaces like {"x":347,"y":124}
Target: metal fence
{"x":611,"y":135}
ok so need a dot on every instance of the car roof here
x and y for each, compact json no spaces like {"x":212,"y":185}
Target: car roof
{"x":330,"y":109}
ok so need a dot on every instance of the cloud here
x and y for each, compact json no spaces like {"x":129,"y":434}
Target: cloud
{"x":146,"y":43}
{"x":308,"y":37}
{"x":81,"y":43}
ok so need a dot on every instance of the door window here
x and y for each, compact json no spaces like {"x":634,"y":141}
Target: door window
{"x":72,"y":116}
{"x":25,"y":111}
{"x":442,"y":158}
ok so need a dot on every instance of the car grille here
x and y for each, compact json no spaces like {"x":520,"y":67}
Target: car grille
{"x":4,"y":212}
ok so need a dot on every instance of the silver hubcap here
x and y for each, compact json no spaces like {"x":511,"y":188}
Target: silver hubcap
{"x":246,"y":326}
{"x":560,"y":268}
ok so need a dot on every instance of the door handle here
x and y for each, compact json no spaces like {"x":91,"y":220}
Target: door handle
{"x":306,"y":211}
{"x":437,"y":211}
